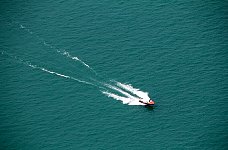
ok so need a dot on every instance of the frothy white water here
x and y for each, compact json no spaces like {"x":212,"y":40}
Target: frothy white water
{"x":128,"y":94}
{"x":125,"y":100}
{"x":128,"y":99}
{"x":27,"y":63}
{"x":62,"y":52}
{"x":122,"y":92}
{"x":58,"y":74}
{"x":67,"y":54}
{"x":75,"y":58}
{"x":28,"y":30}
{"x":141,"y":94}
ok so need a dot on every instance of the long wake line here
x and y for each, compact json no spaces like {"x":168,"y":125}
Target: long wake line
{"x":130,"y":94}
{"x":27,"y":63}
{"x":60,"y":51}
{"x":116,"y":90}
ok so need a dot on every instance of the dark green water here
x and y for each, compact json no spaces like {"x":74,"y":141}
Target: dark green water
{"x":176,"y":51}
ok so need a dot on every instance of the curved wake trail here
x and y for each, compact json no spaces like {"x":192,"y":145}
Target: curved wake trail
{"x":126,"y":93}
{"x":61,"y":75}
{"x":119,"y":91}
{"x":141,"y":94}
{"x":27,"y":63}
{"x":60,"y":51}
{"x":127,"y":98}
{"x":67,"y":54}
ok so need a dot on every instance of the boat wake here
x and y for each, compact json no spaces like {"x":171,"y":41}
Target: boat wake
{"x":126,"y":93}
{"x":60,"y":51}
{"x":27,"y":63}
{"x":114,"y":89}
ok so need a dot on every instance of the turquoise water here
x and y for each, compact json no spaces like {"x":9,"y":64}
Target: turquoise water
{"x":176,"y":51}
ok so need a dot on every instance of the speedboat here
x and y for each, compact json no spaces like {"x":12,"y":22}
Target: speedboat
{"x":149,"y":103}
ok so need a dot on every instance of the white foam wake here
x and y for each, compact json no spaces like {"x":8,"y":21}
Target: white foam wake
{"x":58,"y":74}
{"x":131,"y":94}
{"x":125,"y":100}
{"x":28,"y":30}
{"x":141,"y":94}
{"x":67,"y":54}
{"x":122,"y":92}
{"x":27,"y":63}
{"x":62,"y":52}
